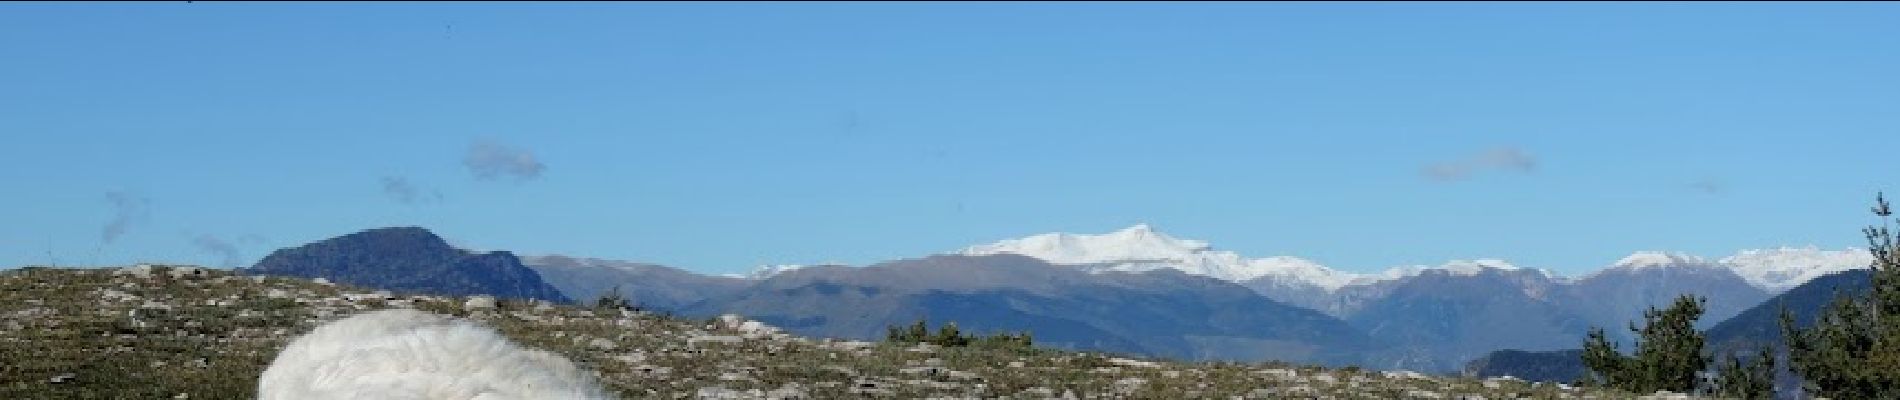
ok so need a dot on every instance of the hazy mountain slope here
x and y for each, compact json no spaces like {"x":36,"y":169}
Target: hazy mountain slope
{"x":1163,"y":313}
{"x":1296,"y":293}
{"x":1445,"y":319}
{"x":1616,"y":296}
{"x":410,"y":260}
{"x":648,"y":286}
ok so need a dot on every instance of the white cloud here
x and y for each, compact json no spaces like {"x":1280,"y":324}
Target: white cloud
{"x":406,"y":192}
{"x":490,"y":160}
{"x":1502,"y":158}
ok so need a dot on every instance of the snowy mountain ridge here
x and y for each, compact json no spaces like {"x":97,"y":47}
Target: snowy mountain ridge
{"x":1142,"y":248}
{"x":1659,"y":259}
{"x":1783,"y":268}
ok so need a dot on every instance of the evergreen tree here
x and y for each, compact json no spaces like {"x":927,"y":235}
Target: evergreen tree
{"x":1853,"y":349}
{"x":1607,"y":365}
{"x":949,"y":336}
{"x":1671,"y":351}
{"x":1750,"y":381}
{"x":1668,"y":351}
{"x":914,"y":333}
{"x":918,"y":332}
{"x":893,"y":334}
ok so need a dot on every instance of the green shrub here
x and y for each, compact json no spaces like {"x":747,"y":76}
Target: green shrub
{"x":949,"y":335}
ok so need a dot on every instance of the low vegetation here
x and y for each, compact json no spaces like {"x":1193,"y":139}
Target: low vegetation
{"x":949,"y":336}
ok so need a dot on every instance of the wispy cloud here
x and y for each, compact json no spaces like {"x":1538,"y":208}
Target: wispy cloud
{"x":227,"y":253}
{"x":1502,"y":158}
{"x":489,"y":160}
{"x":1708,"y":186}
{"x":406,"y":192}
{"x":849,"y":123}
{"x":127,"y":209}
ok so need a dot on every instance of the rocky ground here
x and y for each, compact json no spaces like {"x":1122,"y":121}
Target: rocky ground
{"x":182,"y":332}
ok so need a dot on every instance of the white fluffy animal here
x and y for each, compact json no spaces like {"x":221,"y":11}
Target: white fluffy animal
{"x":414,"y":355}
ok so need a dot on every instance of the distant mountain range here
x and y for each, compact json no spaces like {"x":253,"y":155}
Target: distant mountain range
{"x":1438,"y":317}
{"x":1134,"y":290}
{"x":1164,"y":313}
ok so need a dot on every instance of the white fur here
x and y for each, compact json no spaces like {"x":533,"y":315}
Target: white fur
{"x":414,"y":355}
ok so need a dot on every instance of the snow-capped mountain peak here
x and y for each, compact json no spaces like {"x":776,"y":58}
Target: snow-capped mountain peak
{"x":1653,"y":259}
{"x":1774,"y":270}
{"x":1142,"y":248}
{"x":1786,"y":267}
{"x":1135,"y":243}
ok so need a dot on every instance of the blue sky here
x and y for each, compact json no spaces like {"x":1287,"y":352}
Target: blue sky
{"x":717,"y":137}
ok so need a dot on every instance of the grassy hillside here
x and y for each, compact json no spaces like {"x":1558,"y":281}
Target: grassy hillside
{"x":205,"y":334}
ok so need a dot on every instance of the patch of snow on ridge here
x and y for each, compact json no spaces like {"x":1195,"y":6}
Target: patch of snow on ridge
{"x":1140,"y":248}
{"x":1658,"y":259}
{"x":768,"y":271}
{"x":1453,"y":267}
{"x":1783,"y":268}
{"x":1303,"y":270}
{"x":1473,"y":267}
{"x":1135,"y":243}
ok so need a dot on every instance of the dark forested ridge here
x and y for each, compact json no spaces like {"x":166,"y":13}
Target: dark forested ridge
{"x":409,"y":260}
{"x":1762,"y":323}
{"x":1741,"y":334}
